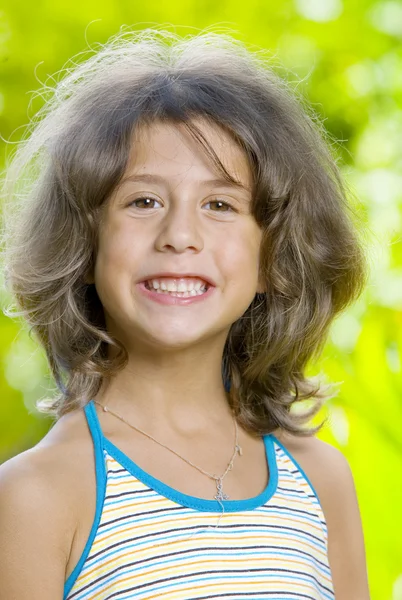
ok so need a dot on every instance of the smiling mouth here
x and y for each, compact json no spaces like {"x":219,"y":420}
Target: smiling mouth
{"x":183,"y":294}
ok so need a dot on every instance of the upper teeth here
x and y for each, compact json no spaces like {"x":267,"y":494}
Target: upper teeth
{"x":177,"y":285}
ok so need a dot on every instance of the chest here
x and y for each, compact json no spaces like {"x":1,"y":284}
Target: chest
{"x":248,"y":478}
{"x":147,"y":544}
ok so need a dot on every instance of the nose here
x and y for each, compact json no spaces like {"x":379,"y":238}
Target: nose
{"x":180,"y":230}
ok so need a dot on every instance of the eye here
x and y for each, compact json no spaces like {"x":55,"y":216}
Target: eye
{"x":146,"y":199}
{"x":221,"y":203}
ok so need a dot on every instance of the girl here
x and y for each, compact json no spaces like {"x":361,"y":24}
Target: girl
{"x":182,"y":247}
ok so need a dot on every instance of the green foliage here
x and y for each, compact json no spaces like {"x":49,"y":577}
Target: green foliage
{"x":346,"y":60}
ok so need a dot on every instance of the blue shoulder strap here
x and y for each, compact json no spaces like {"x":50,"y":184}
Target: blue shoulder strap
{"x":100,"y":471}
{"x":94,"y":425}
{"x":297,"y":465}
{"x":97,"y":437}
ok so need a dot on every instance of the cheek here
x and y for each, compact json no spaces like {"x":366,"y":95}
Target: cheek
{"x":112,"y":266}
{"x":118,"y":249}
{"x":238,"y":256}
{"x":250,"y":242}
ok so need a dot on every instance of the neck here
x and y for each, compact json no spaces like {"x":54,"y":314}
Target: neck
{"x":184,"y":393}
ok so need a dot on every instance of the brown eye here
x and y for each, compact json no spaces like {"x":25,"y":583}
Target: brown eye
{"x":226,"y":207}
{"x":146,"y":200}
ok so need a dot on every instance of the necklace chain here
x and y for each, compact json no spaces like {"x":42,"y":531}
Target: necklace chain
{"x":220,"y":495}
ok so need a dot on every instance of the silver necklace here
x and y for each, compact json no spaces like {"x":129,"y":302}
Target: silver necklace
{"x":220,"y":495}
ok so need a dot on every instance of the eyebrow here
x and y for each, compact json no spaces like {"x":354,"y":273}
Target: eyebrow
{"x":154,"y":178}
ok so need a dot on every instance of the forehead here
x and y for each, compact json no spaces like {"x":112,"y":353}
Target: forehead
{"x":169,"y":149}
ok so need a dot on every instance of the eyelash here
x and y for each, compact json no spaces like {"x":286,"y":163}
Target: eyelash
{"x":232,"y":209}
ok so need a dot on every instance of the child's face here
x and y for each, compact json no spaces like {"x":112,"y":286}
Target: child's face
{"x":181,"y":228}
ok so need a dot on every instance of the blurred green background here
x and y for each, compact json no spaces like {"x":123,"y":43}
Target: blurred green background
{"x":346,"y":60}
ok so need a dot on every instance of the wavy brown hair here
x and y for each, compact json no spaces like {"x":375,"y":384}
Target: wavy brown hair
{"x":73,"y":156}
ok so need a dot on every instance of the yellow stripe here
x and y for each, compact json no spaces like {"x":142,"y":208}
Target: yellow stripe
{"x":221,"y":587}
{"x":112,"y":561}
{"x":103,"y":540}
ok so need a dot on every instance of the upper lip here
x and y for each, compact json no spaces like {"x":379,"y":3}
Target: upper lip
{"x":179,"y":276}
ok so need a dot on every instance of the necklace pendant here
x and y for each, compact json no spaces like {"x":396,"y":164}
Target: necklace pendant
{"x":220,"y":493}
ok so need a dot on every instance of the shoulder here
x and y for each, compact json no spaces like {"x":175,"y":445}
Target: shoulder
{"x":325,"y":465}
{"x":327,"y":470}
{"x":30,"y":486}
{"x":331,"y":476}
{"x":40,"y":487}
{"x":40,"y":495}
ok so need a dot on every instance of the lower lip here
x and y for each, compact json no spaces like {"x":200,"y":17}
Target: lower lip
{"x":174,"y":300}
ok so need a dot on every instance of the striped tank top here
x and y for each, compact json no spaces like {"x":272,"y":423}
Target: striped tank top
{"x":151,"y":541}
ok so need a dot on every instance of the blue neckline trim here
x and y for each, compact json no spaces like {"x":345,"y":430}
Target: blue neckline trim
{"x":200,"y":504}
{"x":194,"y":502}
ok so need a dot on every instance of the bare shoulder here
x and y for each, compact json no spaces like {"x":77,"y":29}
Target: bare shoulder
{"x":43,"y":477}
{"x":54,"y":461}
{"x":31,"y":489}
{"x":331,"y":476}
{"x":39,"y":501}
{"x":324,"y":464}
{"x":67,"y":452}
